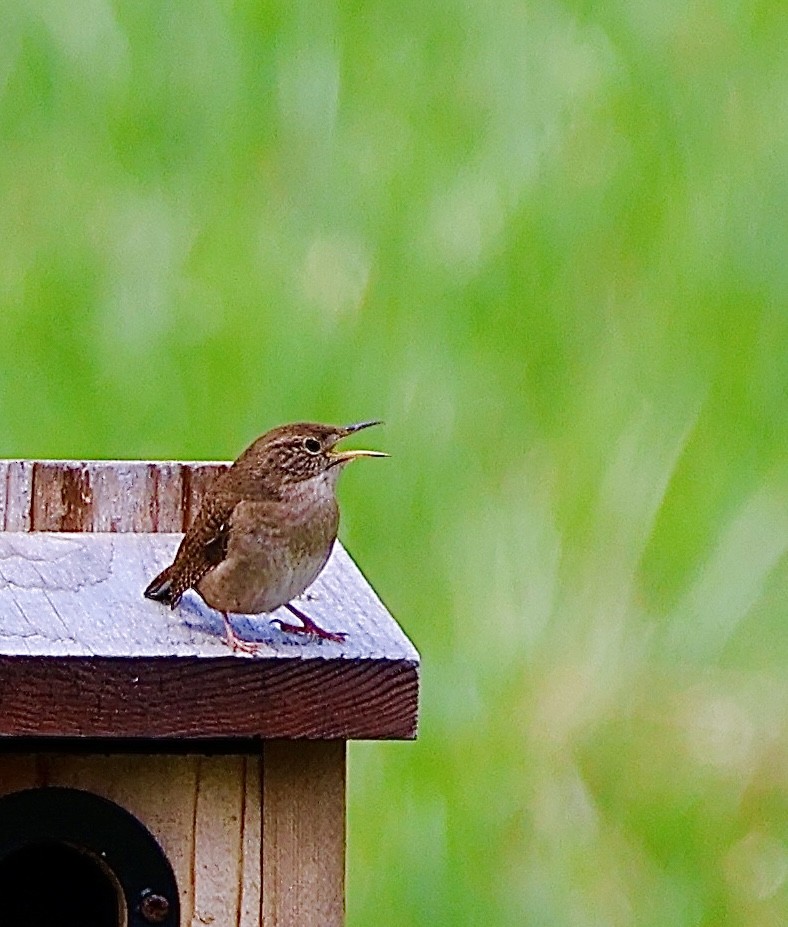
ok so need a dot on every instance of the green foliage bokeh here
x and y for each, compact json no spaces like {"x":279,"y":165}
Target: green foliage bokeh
{"x":547,"y":243}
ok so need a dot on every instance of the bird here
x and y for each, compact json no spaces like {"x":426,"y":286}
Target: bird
{"x":265,"y":529}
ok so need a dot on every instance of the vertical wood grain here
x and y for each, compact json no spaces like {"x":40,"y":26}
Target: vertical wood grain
{"x":62,"y":499}
{"x":129,"y":495}
{"x":16,"y":489}
{"x":203,"y":811}
{"x":218,"y":838}
{"x":166,"y":498}
{"x":303,"y":853}
{"x":251,"y":845}
{"x":99,"y":495}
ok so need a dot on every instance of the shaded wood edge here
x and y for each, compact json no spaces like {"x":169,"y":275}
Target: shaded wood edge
{"x":208,"y":698}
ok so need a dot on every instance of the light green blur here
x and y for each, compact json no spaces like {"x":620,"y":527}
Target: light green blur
{"x":548,"y":244}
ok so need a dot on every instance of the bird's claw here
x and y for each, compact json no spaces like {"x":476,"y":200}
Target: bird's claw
{"x":313,"y":629}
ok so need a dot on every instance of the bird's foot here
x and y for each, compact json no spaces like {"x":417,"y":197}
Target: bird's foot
{"x":308,"y":626}
{"x":239,"y":644}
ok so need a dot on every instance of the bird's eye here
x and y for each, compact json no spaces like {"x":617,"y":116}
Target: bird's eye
{"x":312,"y":445}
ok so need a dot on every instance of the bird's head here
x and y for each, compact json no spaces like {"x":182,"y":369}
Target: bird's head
{"x":294,"y":453}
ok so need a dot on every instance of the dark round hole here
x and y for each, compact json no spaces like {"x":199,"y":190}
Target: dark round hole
{"x":54,"y":885}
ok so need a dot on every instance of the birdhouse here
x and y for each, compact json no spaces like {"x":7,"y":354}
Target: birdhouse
{"x":149,"y":775}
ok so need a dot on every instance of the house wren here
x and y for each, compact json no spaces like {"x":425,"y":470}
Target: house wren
{"x":265,"y":528}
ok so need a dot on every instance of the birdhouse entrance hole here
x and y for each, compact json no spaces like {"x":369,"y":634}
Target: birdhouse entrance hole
{"x":70,"y":858}
{"x":55,"y":885}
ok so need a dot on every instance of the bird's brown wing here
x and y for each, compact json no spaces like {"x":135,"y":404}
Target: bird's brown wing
{"x":203,"y":547}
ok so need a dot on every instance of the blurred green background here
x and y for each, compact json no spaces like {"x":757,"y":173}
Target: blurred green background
{"x":548,"y":244}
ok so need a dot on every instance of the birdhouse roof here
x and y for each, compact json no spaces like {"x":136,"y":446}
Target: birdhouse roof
{"x":83,"y":654}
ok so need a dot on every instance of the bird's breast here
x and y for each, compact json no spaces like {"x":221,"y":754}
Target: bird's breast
{"x":273,"y":554}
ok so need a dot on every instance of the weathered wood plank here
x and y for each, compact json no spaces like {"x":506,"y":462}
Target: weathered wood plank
{"x":82,"y":653}
{"x":218,"y":837}
{"x":251,"y":843}
{"x":102,"y":495}
{"x":303,"y":850}
{"x":16,"y":493}
{"x":199,"y":809}
{"x":206,"y":698}
{"x":86,"y":590}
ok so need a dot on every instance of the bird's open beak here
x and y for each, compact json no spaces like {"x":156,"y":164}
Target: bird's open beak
{"x":346,"y":456}
{"x":349,"y":429}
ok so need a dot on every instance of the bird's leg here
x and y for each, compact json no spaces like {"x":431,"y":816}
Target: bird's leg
{"x":308,"y":626}
{"x":236,"y":643}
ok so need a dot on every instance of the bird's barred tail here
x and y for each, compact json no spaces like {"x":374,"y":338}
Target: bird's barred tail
{"x":160,"y":588}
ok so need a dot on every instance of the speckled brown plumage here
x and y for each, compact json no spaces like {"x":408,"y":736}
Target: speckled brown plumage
{"x":265,"y":528}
